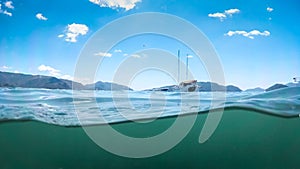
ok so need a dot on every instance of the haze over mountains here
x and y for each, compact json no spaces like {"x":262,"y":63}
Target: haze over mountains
{"x":8,"y":79}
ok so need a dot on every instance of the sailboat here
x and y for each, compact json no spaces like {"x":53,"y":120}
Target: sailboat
{"x":187,"y":85}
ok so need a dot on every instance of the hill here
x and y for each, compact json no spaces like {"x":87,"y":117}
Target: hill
{"x":276,"y":86}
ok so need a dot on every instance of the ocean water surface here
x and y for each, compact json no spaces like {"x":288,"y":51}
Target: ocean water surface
{"x":75,"y":108}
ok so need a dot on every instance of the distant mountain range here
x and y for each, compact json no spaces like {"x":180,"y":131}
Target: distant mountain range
{"x":214,"y":87}
{"x":38,"y":81}
{"x":8,"y":79}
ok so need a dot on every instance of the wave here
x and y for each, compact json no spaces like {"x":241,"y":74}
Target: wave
{"x":70,"y":108}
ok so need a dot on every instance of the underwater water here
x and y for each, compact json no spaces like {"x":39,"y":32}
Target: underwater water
{"x":41,"y":128}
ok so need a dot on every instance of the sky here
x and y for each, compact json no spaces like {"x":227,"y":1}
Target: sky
{"x":257,"y":41}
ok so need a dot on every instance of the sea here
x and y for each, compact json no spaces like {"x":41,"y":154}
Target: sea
{"x":43,"y":128}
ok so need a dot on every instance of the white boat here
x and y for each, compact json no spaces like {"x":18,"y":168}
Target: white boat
{"x":188,"y":86}
{"x":295,"y":83}
{"x":296,"y":79}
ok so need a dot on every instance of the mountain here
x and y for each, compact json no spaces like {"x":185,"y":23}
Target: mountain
{"x":258,"y":89}
{"x":34,"y":81}
{"x":8,"y":79}
{"x":232,"y":88}
{"x":214,"y":87}
{"x":210,"y":86}
{"x":276,"y":86}
{"x":106,"y":86}
{"x":204,"y":87}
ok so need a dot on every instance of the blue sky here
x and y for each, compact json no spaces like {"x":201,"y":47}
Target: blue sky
{"x":258,"y":42}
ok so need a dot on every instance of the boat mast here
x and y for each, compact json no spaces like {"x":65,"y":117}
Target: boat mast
{"x":178,"y":66}
{"x":187,"y":65}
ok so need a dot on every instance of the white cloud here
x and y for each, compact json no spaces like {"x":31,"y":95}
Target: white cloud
{"x":7,"y":13}
{"x":9,"y":5}
{"x":1,"y":11}
{"x":53,"y":72}
{"x":73,"y":31}
{"x":269,"y":9}
{"x":114,"y":4}
{"x":190,"y":56}
{"x":5,"y":67}
{"x":136,"y":56}
{"x":118,"y":51}
{"x":223,"y":15}
{"x":60,"y":36}
{"x":103,"y":54}
{"x":50,"y":70}
{"x":8,"y":69}
{"x":232,"y":11}
{"x":41,"y":17}
{"x":125,"y":54}
{"x":250,"y":34}
{"x":68,"y":77}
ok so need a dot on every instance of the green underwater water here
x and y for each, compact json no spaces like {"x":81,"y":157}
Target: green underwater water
{"x":243,"y":139}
